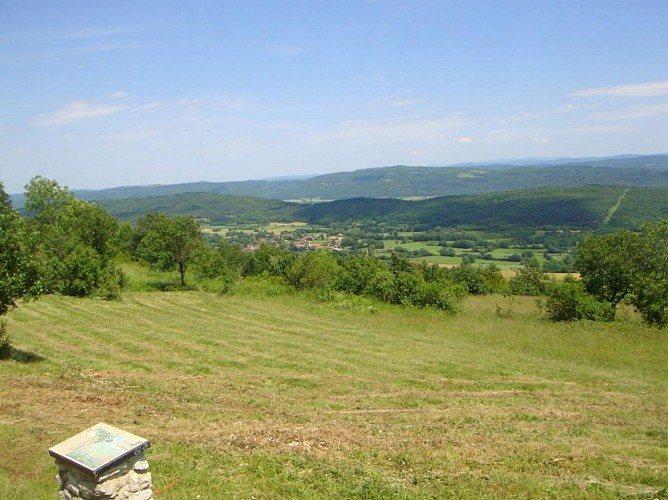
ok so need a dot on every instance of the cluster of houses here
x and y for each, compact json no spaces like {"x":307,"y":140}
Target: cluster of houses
{"x":309,"y":242}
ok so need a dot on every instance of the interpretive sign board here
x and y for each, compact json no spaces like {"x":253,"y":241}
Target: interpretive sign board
{"x":99,"y":448}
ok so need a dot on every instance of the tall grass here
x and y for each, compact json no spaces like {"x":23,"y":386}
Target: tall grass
{"x":263,"y":394}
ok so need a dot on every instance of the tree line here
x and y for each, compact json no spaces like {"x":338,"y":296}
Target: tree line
{"x":69,"y":246}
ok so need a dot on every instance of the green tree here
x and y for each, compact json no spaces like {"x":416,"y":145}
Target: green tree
{"x":649,"y":293}
{"x":168,"y":243}
{"x":608,"y":264}
{"x":569,"y":301}
{"x":479,"y":280}
{"x":530,"y":279}
{"x":18,"y":277}
{"x":357,"y":273}
{"x":270,"y":260}
{"x":629,"y":265}
{"x":318,"y":269}
{"x":73,"y":241}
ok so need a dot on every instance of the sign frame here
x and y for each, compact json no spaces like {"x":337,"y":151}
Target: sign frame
{"x":99,"y":448}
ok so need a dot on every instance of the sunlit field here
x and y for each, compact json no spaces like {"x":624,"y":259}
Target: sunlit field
{"x":263,"y":394}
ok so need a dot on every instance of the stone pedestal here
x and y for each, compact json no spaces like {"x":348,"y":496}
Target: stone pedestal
{"x":129,"y":480}
{"x":103,"y":462}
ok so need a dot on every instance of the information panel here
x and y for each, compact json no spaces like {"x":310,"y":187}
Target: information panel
{"x":99,"y":448}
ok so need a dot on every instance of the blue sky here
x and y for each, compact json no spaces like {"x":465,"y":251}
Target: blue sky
{"x":99,"y":94}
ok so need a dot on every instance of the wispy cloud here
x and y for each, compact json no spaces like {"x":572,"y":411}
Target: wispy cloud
{"x":117,"y":95}
{"x":465,"y":140}
{"x":540,"y":135}
{"x":75,"y":111}
{"x":647,"y":89}
{"x":634,"y":112}
{"x":98,"y":32}
{"x":418,"y":130}
{"x":400,"y":103}
{"x":151,"y":106}
{"x":131,"y":136}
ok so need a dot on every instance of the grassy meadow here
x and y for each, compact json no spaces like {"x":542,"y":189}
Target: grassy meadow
{"x":266,"y":394}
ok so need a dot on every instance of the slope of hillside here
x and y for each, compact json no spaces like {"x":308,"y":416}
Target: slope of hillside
{"x":268,"y":396}
{"x":218,"y":208}
{"x":586,"y":207}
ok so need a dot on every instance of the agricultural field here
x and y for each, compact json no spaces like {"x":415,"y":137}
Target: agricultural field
{"x":302,"y":236}
{"x":263,"y":393}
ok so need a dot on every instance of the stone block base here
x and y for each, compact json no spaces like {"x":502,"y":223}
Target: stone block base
{"x":129,"y":480}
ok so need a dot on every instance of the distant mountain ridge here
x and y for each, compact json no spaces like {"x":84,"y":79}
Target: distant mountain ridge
{"x":408,"y":181}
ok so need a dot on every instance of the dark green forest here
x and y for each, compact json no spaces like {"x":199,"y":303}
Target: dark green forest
{"x":584,"y":207}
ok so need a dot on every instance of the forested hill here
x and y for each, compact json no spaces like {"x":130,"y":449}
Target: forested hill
{"x":405,"y":182}
{"x":586,"y":207}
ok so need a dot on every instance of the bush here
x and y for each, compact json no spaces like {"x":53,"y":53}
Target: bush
{"x":479,"y":280}
{"x":530,"y":279}
{"x":80,"y":272}
{"x":357,"y":274}
{"x":439,"y":295}
{"x":569,"y":301}
{"x":315,"y":270}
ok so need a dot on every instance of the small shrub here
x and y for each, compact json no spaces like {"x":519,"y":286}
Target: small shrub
{"x":530,"y":279}
{"x":479,"y":280}
{"x":569,"y":301}
{"x":442,"y":296}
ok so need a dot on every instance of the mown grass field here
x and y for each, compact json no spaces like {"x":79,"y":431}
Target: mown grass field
{"x":262,"y":395}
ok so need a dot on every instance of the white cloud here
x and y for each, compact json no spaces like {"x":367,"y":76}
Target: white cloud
{"x":131,"y":136}
{"x":400,"y":103}
{"x":634,"y":112}
{"x":396,"y":130}
{"x":540,"y":135}
{"x":647,"y":89}
{"x":76,"y":110}
{"x":117,"y":95}
{"x":150,"y":105}
{"x":465,"y":140}
{"x":97,"y":32}
{"x":188,"y":101}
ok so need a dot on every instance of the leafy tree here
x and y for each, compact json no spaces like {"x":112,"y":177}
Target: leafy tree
{"x":17,"y":272}
{"x":271,"y":260}
{"x":318,"y":269}
{"x":530,"y":279}
{"x":468,"y":259}
{"x":357,"y":273}
{"x":168,"y":243}
{"x":73,"y":241}
{"x":18,"y":277}
{"x":608,"y":264}
{"x":479,"y":280}
{"x":402,"y":283}
{"x":227,"y":260}
{"x":447,"y":252}
{"x":629,"y":265}
{"x":649,"y":294}
{"x":569,"y":301}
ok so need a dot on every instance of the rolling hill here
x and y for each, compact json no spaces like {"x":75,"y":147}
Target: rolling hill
{"x":584,"y":207}
{"x":411,"y":182}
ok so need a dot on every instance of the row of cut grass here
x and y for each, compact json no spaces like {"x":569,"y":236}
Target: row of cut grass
{"x":260,"y":395}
